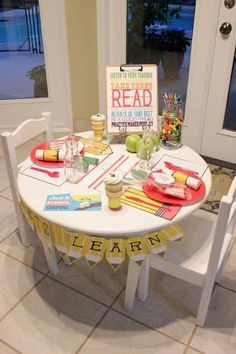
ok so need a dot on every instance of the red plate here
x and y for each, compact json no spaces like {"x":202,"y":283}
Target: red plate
{"x":52,"y":164}
{"x":195,"y":196}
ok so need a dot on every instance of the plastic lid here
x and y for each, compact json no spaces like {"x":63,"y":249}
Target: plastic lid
{"x":193,"y":182}
{"x":39,"y":154}
{"x":162,"y":178}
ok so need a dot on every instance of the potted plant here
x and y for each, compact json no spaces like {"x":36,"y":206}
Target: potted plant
{"x":173,"y":44}
{"x":38,"y":74}
{"x":145,"y":20}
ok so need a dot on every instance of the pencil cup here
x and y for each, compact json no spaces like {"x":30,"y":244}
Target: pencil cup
{"x":171,"y":128}
{"x":98,"y":126}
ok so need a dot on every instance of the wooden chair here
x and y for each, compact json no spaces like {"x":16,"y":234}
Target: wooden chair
{"x":198,"y":258}
{"x":26,"y":131}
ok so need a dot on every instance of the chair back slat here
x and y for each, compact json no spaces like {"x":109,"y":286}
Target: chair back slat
{"x":31,"y":128}
{"x":25,"y":132}
{"x":232,"y":189}
{"x":224,"y":225}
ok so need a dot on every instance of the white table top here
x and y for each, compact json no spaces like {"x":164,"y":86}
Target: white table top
{"x":127,"y":221}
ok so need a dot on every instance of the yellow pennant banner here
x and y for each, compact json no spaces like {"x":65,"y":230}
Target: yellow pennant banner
{"x":136,"y":249}
{"x":94,"y":249}
{"x":72,"y":245}
{"x":115,"y":252}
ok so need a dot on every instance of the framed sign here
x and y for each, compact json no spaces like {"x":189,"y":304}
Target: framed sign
{"x":132,"y":100}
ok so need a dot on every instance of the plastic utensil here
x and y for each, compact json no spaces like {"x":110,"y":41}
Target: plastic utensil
{"x":53,"y":174}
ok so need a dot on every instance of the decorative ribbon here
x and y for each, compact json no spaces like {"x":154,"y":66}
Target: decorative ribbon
{"x":72,"y":245}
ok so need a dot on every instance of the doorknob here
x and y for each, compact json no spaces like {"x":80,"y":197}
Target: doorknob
{"x":229,"y":4}
{"x":226,"y":28}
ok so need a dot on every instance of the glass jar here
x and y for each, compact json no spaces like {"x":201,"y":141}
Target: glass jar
{"x":73,"y":161}
{"x":145,"y":149}
{"x":171,"y":128}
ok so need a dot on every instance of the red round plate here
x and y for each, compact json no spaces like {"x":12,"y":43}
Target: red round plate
{"x":52,"y":164}
{"x":161,"y":197}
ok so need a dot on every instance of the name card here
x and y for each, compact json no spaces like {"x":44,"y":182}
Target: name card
{"x":132,"y":100}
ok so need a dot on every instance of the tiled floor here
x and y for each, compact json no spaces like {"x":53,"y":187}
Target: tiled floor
{"x":81,"y":310}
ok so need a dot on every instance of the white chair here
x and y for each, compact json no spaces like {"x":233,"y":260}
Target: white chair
{"x":26,"y":131}
{"x":198,"y":258}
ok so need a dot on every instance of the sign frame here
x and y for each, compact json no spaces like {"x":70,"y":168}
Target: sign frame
{"x":132,"y":98}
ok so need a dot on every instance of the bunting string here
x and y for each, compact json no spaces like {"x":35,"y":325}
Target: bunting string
{"x":72,"y":245}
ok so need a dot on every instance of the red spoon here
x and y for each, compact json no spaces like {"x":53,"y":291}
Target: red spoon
{"x":53,"y":174}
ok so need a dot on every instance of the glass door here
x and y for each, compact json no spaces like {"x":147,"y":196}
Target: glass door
{"x":178,"y":35}
{"x":219,"y":134}
{"x":160,"y":32}
{"x":33,"y":62}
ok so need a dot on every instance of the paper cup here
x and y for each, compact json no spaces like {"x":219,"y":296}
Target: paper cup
{"x":98,"y":126}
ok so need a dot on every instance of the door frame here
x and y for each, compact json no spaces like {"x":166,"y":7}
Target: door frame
{"x":53,"y":23}
{"x":111,"y":29}
{"x":218,"y":142}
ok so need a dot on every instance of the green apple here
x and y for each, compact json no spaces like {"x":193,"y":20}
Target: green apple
{"x":131,"y":141}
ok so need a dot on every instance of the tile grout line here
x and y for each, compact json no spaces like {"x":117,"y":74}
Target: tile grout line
{"x":9,"y":346}
{"x":190,"y":340}
{"x":111,"y":308}
{"x":2,"y":196}
{"x":224,"y":287}
{"x":51,"y":277}
{"x":23,"y":297}
{"x":149,"y":327}
{"x":27,"y":265}
{"x":97,"y":324}
{"x":10,"y":234}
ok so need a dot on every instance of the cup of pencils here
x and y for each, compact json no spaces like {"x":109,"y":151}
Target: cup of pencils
{"x":172,"y":121}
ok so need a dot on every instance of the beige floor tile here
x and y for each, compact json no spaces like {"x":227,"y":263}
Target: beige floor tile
{"x":163,"y":309}
{"x":100,"y":283}
{"x":219,"y":334}
{"x":6,"y":193}
{"x":229,"y":275}
{"x":32,"y":256}
{"x":52,"y":319}
{"x":4,"y":349}
{"x":8,"y":222}
{"x":117,"y":334}
{"x":16,"y":280}
{"x":193,"y":351}
{"x":4,"y":181}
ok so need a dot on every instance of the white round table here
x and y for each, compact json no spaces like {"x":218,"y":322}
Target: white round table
{"x":126,"y":222}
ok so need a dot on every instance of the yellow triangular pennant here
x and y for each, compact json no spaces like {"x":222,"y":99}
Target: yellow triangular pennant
{"x":136,"y":249}
{"x":94,"y":249}
{"x":58,"y":239}
{"x":156,"y":242}
{"x":115,"y":252}
{"x":31,"y":219}
{"x":173,"y":232}
{"x":74,"y":243}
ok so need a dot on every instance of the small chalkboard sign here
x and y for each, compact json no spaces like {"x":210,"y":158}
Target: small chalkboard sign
{"x":132,"y":100}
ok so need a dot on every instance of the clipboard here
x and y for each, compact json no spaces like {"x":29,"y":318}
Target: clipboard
{"x":132,"y":99}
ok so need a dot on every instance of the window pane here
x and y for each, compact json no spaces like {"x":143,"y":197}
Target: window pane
{"x":160,"y":32}
{"x":22,"y":66}
{"x":230,"y":117}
